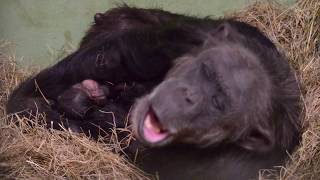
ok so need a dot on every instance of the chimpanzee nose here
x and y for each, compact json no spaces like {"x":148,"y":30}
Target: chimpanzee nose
{"x":185,"y":95}
{"x":174,"y":96}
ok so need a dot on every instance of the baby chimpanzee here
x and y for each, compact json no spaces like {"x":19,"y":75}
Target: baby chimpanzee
{"x":92,"y":105}
{"x":77,"y":101}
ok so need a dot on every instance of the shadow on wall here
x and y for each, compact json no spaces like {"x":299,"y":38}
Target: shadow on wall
{"x":45,"y":31}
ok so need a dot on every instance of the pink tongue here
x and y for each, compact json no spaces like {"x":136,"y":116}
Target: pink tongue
{"x":152,"y":130}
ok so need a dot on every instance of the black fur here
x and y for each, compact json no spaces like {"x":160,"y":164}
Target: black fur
{"x":227,"y":98}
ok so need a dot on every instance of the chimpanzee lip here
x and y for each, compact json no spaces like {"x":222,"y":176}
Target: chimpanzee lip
{"x":152,"y":130}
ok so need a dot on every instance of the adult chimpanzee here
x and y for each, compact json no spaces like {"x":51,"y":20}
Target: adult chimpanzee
{"x":218,"y":100}
{"x":223,"y":112}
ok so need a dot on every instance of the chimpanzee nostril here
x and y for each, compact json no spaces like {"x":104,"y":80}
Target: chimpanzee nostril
{"x":187,"y":96}
{"x":189,"y":101}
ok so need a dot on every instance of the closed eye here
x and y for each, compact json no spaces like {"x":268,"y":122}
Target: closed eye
{"x":206,"y":71}
{"x":217,"y":102}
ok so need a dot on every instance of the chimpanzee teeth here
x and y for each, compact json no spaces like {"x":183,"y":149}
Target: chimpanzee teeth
{"x":148,"y":124}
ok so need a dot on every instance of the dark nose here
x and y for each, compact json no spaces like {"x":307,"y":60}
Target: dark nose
{"x":174,"y":96}
{"x":185,"y":95}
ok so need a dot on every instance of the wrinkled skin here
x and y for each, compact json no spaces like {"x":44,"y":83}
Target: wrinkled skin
{"x":215,"y":99}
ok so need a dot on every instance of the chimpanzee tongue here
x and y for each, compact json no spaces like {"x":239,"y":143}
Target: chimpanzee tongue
{"x":152,"y":129}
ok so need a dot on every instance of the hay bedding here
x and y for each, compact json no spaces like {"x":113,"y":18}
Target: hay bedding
{"x":35,"y":152}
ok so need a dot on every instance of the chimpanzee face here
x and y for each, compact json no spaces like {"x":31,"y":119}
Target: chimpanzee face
{"x":205,"y":99}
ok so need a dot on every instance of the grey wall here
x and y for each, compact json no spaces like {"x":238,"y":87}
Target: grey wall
{"x":44,"y":29}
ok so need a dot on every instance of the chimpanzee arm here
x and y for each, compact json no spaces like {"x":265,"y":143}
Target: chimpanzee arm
{"x":133,"y":55}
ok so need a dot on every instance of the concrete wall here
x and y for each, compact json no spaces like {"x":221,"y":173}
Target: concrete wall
{"x":42,"y":28}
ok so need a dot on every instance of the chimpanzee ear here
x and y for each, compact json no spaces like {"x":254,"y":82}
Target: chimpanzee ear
{"x":260,"y":139}
{"x":224,"y":30}
{"x":98,"y":18}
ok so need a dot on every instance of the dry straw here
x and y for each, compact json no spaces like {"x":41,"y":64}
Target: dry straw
{"x":296,"y":32}
{"x":36,"y":152}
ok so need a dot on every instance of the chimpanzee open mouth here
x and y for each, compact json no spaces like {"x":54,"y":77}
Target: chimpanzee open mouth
{"x":152,"y":131}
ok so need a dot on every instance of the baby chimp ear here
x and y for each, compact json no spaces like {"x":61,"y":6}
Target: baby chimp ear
{"x":98,"y":18}
{"x":224,"y":30}
{"x":259,"y":139}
